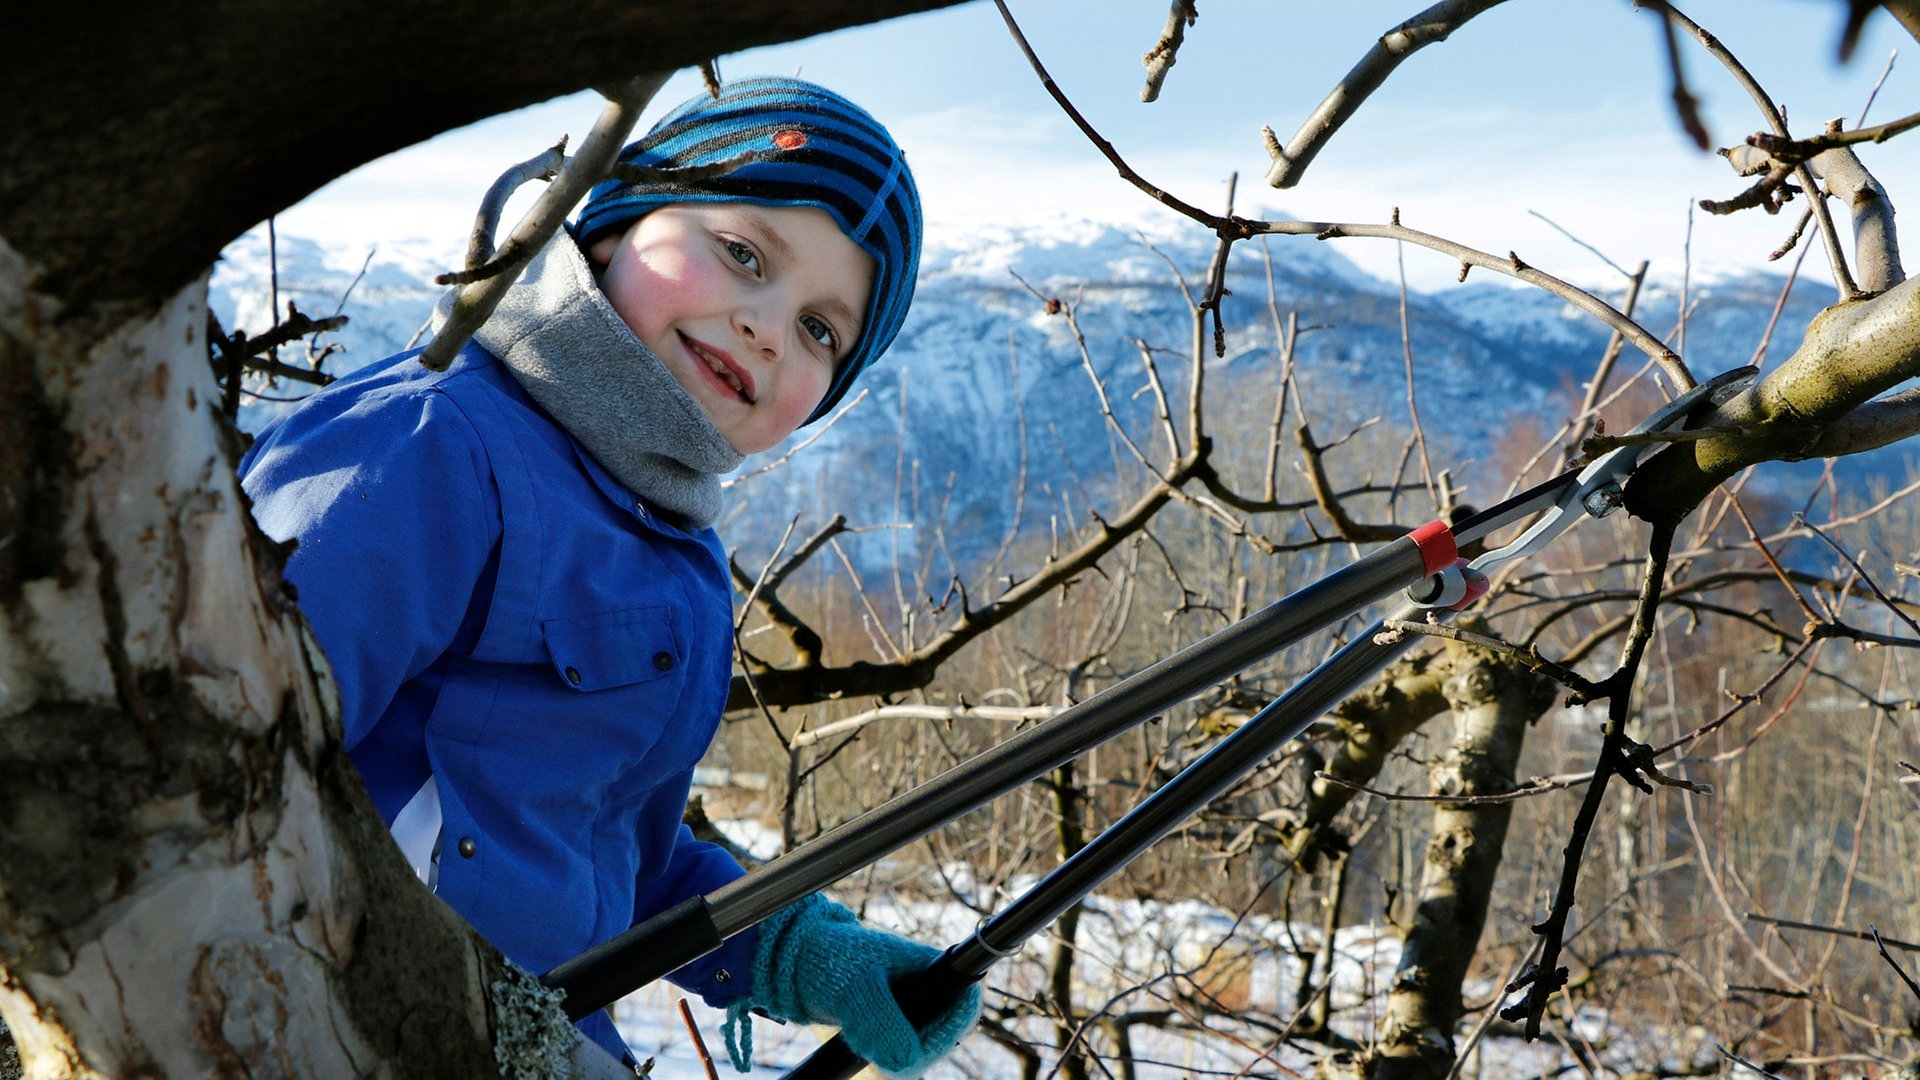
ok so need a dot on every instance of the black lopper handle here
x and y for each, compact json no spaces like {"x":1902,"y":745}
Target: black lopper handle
{"x":603,"y":974}
{"x":923,"y":995}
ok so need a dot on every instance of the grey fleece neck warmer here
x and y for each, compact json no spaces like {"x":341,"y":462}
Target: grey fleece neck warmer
{"x":574,"y":355}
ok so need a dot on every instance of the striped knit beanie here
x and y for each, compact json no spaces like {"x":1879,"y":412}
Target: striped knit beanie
{"x":821,"y":150}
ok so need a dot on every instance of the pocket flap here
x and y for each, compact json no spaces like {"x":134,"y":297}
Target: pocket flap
{"x":614,"y":648}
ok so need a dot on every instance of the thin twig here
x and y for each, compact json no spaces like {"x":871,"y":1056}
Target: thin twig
{"x":1836,"y":931}
{"x":1571,"y":679}
{"x":1434,"y":494}
{"x":1780,"y":303}
{"x":1597,"y":253}
{"x":1242,"y":228}
{"x":1392,"y":48}
{"x":801,"y":445}
{"x":1509,"y":264}
{"x":1801,"y":520}
{"x":1836,"y":251}
{"x":1537,"y":786}
{"x":1004,"y":714}
{"x":699,"y":1044}
{"x":1790,"y":150}
{"x":1744,"y":1063}
{"x":1087,"y":129}
{"x":1685,"y":105}
{"x":1866,"y":106}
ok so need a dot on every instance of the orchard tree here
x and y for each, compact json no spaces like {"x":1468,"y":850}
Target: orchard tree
{"x":191,"y":881}
{"x":1839,"y":393}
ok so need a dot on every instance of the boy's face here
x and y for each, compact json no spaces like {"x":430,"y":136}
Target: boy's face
{"x":750,"y":307}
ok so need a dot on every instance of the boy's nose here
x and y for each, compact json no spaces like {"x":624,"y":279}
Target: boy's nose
{"x":758,"y":330}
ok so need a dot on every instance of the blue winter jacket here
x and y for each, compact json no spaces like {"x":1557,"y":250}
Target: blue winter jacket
{"x":502,"y":614}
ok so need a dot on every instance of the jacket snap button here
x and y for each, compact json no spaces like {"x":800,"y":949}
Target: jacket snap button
{"x":663,"y":661}
{"x":466,"y":847}
{"x":722,"y":975}
{"x":573,"y":675}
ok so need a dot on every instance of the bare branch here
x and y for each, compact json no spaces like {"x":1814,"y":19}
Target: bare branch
{"x":1852,"y":352}
{"x":1511,"y":265}
{"x":1105,"y":147}
{"x":699,"y":1043}
{"x":486,"y":224}
{"x":475,"y":302}
{"x":1614,"y":760}
{"x":1685,"y":105}
{"x":1329,"y":501}
{"x":1876,"y":244}
{"x":1529,"y":657}
{"x":1160,"y":59}
{"x":1836,"y":255}
{"x":1894,"y":964}
{"x":1434,"y":494}
{"x":801,"y":445}
{"x":1800,"y":519}
{"x":1878,"y":423}
{"x":1394,"y":46}
{"x":1794,"y":151}
{"x":1836,"y":931}
{"x":1001,"y":714}
{"x":296,"y":325}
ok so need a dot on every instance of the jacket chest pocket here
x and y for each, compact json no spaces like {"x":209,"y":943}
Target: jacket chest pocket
{"x":617,"y":680}
{"x":614,"y":648}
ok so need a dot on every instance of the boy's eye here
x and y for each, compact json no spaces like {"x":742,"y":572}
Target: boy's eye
{"x":744,"y":255}
{"x":819,"y":330}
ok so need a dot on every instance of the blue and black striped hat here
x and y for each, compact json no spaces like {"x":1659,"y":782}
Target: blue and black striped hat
{"x":822,"y":151}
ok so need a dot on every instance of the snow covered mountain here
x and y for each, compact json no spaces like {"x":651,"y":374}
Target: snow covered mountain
{"x":938,"y":439}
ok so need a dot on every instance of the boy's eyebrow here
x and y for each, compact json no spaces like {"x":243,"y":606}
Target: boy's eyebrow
{"x":768,"y":236}
{"x":771,"y":239}
{"x":840,"y":313}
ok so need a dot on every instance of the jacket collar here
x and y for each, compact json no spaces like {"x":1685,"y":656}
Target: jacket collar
{"x":575,"y":356}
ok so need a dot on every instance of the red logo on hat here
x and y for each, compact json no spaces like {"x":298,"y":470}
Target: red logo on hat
{"x":790,"y":139}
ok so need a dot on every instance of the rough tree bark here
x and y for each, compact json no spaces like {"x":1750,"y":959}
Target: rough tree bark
{"x":1371,"y":725}
{"x":191,"y":881}
{"x":1493,"y":699}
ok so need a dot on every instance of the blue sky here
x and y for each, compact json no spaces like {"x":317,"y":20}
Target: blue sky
{"x":1552,"y":106}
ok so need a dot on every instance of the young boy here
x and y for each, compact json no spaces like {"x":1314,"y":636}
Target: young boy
{"x":511,"y":565}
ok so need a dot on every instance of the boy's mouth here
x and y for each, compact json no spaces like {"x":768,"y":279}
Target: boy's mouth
{"x":722,"y":367}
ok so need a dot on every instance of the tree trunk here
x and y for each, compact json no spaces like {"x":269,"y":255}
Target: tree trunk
{"x":1068,"y":800}
{"x":1493,"y":699}
{"x":1371,"y":725}
{"x":192,"y":882}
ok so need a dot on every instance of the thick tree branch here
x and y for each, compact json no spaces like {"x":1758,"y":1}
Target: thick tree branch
{"x":486,"y":222}
{"x":1878,"y":423}
{"x":1852,"y":353}
{"x":237,"y":150}
{"x":1493,"y":698}
{"x":1876,"y":244}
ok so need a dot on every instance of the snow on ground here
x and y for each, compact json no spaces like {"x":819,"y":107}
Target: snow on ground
{"x":1126,"y":950}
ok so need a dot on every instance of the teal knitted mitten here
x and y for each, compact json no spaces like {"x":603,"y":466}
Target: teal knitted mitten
{"x":817,"y":965}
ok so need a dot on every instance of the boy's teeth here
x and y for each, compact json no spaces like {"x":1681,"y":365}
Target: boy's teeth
{"x":720,"y":369}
